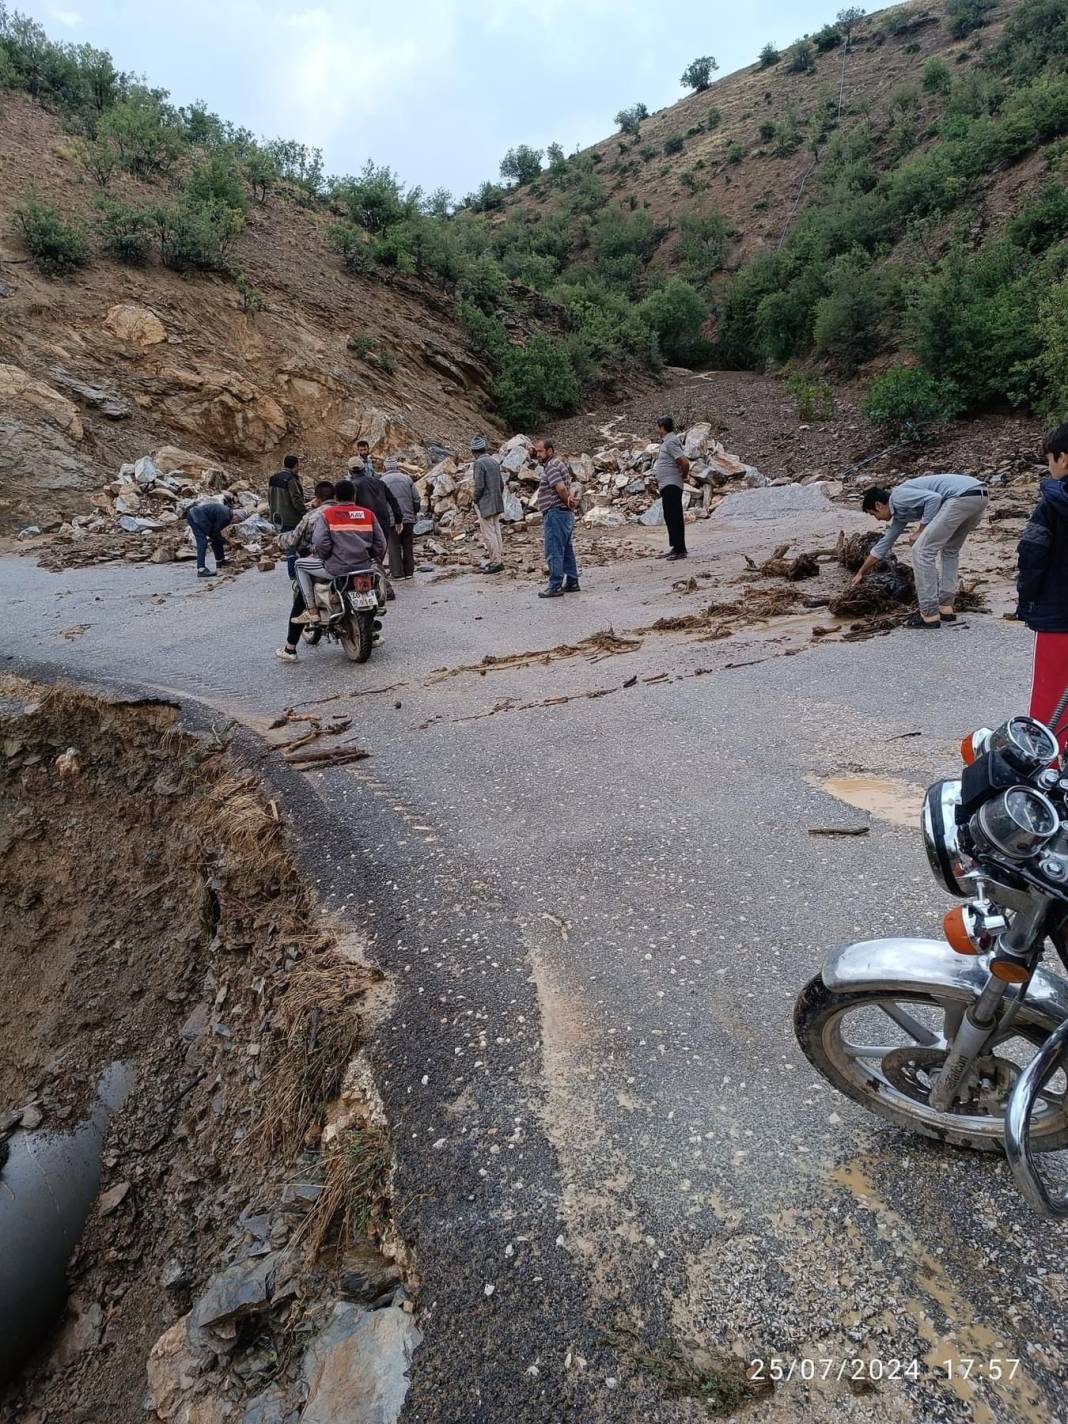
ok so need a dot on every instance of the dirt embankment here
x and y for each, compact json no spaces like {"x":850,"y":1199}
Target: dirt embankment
{"x":153,"y":915}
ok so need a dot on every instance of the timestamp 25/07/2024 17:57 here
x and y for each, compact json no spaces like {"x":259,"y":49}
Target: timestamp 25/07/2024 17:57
{"x":781,"y":1369}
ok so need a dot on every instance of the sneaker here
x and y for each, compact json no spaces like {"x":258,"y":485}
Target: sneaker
{"x":495,"y":569}
{"x":311,"y":619}
{"x":551,"y":593}
{"x":917,"y":620}
{"x":286,"y":654}
{"x":223,"y":563}
{"x":673,"y":557}
{"x":573,"y":586}
{"x":205,"y":573}
{"x":668,"y":554}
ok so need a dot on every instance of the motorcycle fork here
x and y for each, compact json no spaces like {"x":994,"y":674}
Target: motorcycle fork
{"x":982,"y":1018}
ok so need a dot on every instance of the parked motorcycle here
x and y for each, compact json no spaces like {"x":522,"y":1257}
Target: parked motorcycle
{"x":966,"y":1040}
{"x":351,"y":608}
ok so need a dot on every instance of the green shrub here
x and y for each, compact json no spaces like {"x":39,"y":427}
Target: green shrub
{"x":352,"y":247}
{"x":847,"y":21}
{"x":557,"y":164}
{"x":936,"y":77}
{"x":125,"y":230}
{"x":715,"y":118}
{"x":673,"y":144}
{"x":535,"y":381}
{"x":374,"y":199}
{"x":906,"y":403}
{"x":802,"y":58}
{"x":767,"y":131}
{"x":251,"y":300}
{"x":215,"y":185}
{"x":1051,"y":368}
{"x":735,"y":152}
{"x":145,"y":131}
{"x":261,"y":173}
{"x":827,"y":38}
{"x":968,"y":15}
{"x":813,"y":396}
{"x":299,"y":165}
{"x":484,"y":284}
{"x":98,"y":159}
{"x":698,"y":74}
{"x":384,"y":361}
{"x":57,"y":247}
{"x":849,"y":323}
{"x":769,"y":56}
{"x":486,"y":333}
{"x":360,"y":346}
{"x":194,"y":239}
{"x":702,"y":247}
{"x":1043,"y":222}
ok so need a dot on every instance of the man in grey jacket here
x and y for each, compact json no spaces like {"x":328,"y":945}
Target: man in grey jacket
{"x":405,"y":491}
{"x":948,"y":508}
{"x":489,"y":503}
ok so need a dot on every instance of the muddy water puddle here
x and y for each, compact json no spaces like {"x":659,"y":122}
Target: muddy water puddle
{"x":884,"y":797}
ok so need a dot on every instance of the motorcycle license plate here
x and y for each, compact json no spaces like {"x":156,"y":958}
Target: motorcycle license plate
{"x":362,"y":601}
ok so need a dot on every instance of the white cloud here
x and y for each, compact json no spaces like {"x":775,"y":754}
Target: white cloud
{"x":70,"y":18}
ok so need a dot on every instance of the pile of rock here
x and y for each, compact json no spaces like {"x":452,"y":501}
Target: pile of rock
{"x":140,"y":515}
{"x":614,"y":484}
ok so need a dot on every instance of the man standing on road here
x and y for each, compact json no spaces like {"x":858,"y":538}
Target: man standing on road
{"x":207,"y":519}
{"x":671,"y":469}
{"x":489,"y":503}
{"x":405,"y":491}
{"x":372,"y":494}
{"x":557,"y":505}
{"x":948,"y":508}
{"x":1043,"y":582}
{"x":285,"y":499}
{"x":297,"y":543}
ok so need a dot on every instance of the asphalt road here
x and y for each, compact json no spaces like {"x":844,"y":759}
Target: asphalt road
{"x":598,"y":913}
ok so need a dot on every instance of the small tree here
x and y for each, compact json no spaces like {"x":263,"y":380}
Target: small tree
{"x":968,"y":15}
{"x":698,"y":73}
{"x":802,"y":58}
{"x":673,"y":144}
{"x":438,"y":203}
{"x":629,"y":120}
{"x":847,"y":21}
{"x":261,"y":173}
{"x":521,"y":164}
{"x":557,"y":159}
{"x":827,"y":38}
{"x":352,"y":247}
{"x":98,"y":159}
{"x":125,"y":231}
{"x":56,"y":247}
{"x":251,"y":299}
{"x":769,"y":56}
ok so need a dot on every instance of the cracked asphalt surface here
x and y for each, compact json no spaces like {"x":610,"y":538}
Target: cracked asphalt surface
{"x":597,"y":914}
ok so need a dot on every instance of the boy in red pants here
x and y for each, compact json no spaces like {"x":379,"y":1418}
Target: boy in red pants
{"x":1042,"y":584}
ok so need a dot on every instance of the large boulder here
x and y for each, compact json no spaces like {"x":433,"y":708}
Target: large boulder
{"x":136,"y":325}
{"x":775,"y":502}
{"x":39,"y":471}
{"x":170,"y":459}
{"x":697,"y":440}
{"x":385,"y":433}
{"x":357,"y":1369}
{"x":18,"y":387}
{"x":224,"y":410}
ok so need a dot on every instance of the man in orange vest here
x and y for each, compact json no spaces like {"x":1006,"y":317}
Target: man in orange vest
{"x":346,"y":538}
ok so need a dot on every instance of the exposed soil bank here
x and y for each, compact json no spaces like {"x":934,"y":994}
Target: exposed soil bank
{"x":153,"y":914}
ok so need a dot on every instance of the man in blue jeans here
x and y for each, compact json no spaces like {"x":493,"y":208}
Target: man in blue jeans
{"x":557,"y":505}
{"x":207,"y":519}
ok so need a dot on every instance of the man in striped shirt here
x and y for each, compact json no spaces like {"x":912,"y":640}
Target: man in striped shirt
{"x":557,"y":505}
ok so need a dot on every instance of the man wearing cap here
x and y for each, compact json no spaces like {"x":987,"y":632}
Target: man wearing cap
{"x":372,"y":494}
{"x":405,"y":491}
{"x":489,"y":503}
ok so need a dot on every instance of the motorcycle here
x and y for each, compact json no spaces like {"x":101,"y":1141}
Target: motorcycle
{"x":351,"y":608}
{"x":966,"y":1040}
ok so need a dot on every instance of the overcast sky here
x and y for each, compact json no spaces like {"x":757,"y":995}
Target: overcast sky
{"x":438,"y":89}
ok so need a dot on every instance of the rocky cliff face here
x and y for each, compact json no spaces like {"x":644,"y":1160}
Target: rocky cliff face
{"x":97,"y":368}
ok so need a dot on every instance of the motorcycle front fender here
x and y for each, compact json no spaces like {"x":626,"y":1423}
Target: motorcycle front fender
{"x":925,"y":964}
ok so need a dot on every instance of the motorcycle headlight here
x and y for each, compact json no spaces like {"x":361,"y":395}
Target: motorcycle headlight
{"x":939,"y":825}
{"x":1032,"y":743}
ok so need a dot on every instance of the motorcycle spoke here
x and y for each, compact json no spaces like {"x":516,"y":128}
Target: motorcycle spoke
{"x":911,"y":1026}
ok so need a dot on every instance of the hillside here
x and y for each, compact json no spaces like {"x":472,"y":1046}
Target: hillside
{"x":240,"y":387}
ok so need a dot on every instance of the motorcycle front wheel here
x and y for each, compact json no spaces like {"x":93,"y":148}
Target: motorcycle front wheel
{"x":357,"y":637}
{"x":884,"y":1047}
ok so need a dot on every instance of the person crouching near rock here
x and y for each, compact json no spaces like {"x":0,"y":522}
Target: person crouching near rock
{"x":207,"y":519}
{"x":489,"y":503}
{"x":1042,"y":584}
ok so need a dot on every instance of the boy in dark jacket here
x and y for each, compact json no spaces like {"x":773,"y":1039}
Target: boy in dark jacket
{"x":285,"y":500}
{"x":1042,"y":583}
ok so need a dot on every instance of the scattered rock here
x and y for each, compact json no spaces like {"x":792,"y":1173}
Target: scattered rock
{"x":357,"y":1368}
{"x":242,"y":1289}
{"x":113,"y":1198}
